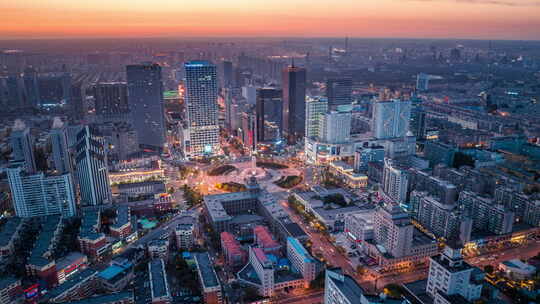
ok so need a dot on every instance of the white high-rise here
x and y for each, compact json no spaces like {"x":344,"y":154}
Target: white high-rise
{"x":395,"y":181}
{"x":315,"y":108}
{"x":391,"y":118}
{"x":41,"y":195}
{"x":335,"y":127}
{"x":202,"y":109}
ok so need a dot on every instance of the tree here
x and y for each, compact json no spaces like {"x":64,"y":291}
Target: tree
{"x":393,"y":290}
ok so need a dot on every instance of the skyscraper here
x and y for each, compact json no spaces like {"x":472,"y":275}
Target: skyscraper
{"x":418,"y":120}
{"x":393,"y":229}
{"x":335,"y":127}
{"x":145,"y":97}
{"x":391,"y":118}
{"x":339,"y":91}
{"x":227,"y":74}
{"x":41,"y":195}
{"x":294,"y":102}
{"x":269,"y":107}
{"x":395,"y":181}
{"x":31,"y":86}
{"x":111,"y":101}
{"x":422,"y":82}
{"x":22,"y":144}
{"x":202,"y":109}
{"x":92,"y":172}
{"x":60,"y":147}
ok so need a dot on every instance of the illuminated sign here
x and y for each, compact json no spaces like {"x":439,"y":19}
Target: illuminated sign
{"x":31,"y":291}
{"x":208,"y":149}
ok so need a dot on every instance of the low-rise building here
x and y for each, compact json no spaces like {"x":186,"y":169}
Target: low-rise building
{"x":159,"y":287}
{"x":9,"y":234}
{"x":264,"y":240}
{"x":158,"y":249}
{"x":208,"y":279}
{"x":185,"y":232}
{"x":124,"y":297}
{"x":517,"y":270}
{"x":117,"y":276}
{"x":235,"y":256}
{"x":70,"y":265}
{"x":79,"y":286}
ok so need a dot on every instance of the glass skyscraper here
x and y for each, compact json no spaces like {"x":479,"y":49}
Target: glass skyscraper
{"x":339,"y":91}
{"x":145,"y":97}
{"x":92,"y":171}
{"x":294,"y":103}
{"x":202,"y":109}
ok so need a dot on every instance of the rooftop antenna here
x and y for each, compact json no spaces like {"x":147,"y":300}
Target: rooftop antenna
{"x":292,"y":61}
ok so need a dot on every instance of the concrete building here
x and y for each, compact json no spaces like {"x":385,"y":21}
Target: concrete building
{"x":159,"y":287}
{"x":10,"y":290}
{"x":517,"y":270}
{"x":9,"y":235}
{"x":41,"y":195}
{"x":60,"y":148}
{"x":359,"y":227}
{"x":269,"y":111}
{"x":159,"y":249}
{"x":117,"y":276}
{"x":302,"y":260}
{"x":202,"y":109}
{"x":111,"y":101}
{"x":264,"y":240}
{"x":235,"y":256}
{"x":335,"y":127}
{"x":486,"y":214}
{"x":208,"y":279}
{"x":439,"y":153}
{"x":395,"y":180}
{"x":185,"y":232}
{"x":450,"y":278}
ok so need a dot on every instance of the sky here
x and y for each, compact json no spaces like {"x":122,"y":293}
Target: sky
{"x":475,"y":19}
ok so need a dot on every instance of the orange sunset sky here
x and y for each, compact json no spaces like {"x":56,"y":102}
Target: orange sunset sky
{"x":486,"y":19}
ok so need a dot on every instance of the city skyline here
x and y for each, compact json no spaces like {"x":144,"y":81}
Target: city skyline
{"x":474,"y":19}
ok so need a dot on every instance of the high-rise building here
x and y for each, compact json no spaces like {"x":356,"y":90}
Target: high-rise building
{"x":91,"y":166}
{"x":341,"y":288}
{"x":202,"y":109}
{"x":41,"y":195}
{"x":227,"y":74}
{"x":393,"y":230}
{"x":269,"y":107}
{"x":249,"y":92}
{"x":339,"y":91}
{"x":439,"y":153}
{"x":111,"y":100}
{"x":16,"y":97}
{"x":315,"y":108}
{"x":55,"y":89}
{"x":418,"y":120}
{"x":60,"y":148}
{"x":422,"y":82}
{"x":294,"y":102}
{"x":486,"y":214}
{"x":31,"y":85}
{"x":395,"y":181}
{"x":302,"y":260}
{"x":335,"y":127}
{"x":22,"y":145}
{"x":145,"y":97}
{"x":391,"y":118}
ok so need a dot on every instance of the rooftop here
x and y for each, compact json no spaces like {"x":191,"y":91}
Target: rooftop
{"x":73,"y":281}
{"x":7,"y":231}
{"x":346,"y":285}
{"x":300,"y":249}
{"x":206,"y":270}
{"x":158,"y":279}
{"x":113,"y":297}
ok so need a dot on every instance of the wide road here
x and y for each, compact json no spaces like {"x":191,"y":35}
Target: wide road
{"x":311,"y":298}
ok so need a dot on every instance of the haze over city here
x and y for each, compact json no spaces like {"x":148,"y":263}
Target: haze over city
{"x":474,"y":19}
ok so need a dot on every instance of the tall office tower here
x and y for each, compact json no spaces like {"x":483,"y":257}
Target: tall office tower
{"x":395,"y":181}
{"x":269,"y":107}
{"x":391,"y":118}
{"x":22,"y":144}
{"x":16,"y":97}
{"x":422,"y":82}
{"x":335,"y":127}
{"x":78,"y":95}
{"x":249,"y":92}
{"x":41,"y":195}
{"x":450,"y":277}
{"x":111,"y":101}
{"x":294,"y":102}
{"x":417,"y":123}
{"x":145,"y":97}
{"x":202,"y":109}
{"x":91,"y":166}
{"x":248,"y":129}
{"x":339,"y":91}
{"x":315,"y":108}
{"x":60,"y":147}
{"x":393,"y":229}
{"x":31,"y":85}
{"x":227,"y":74}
